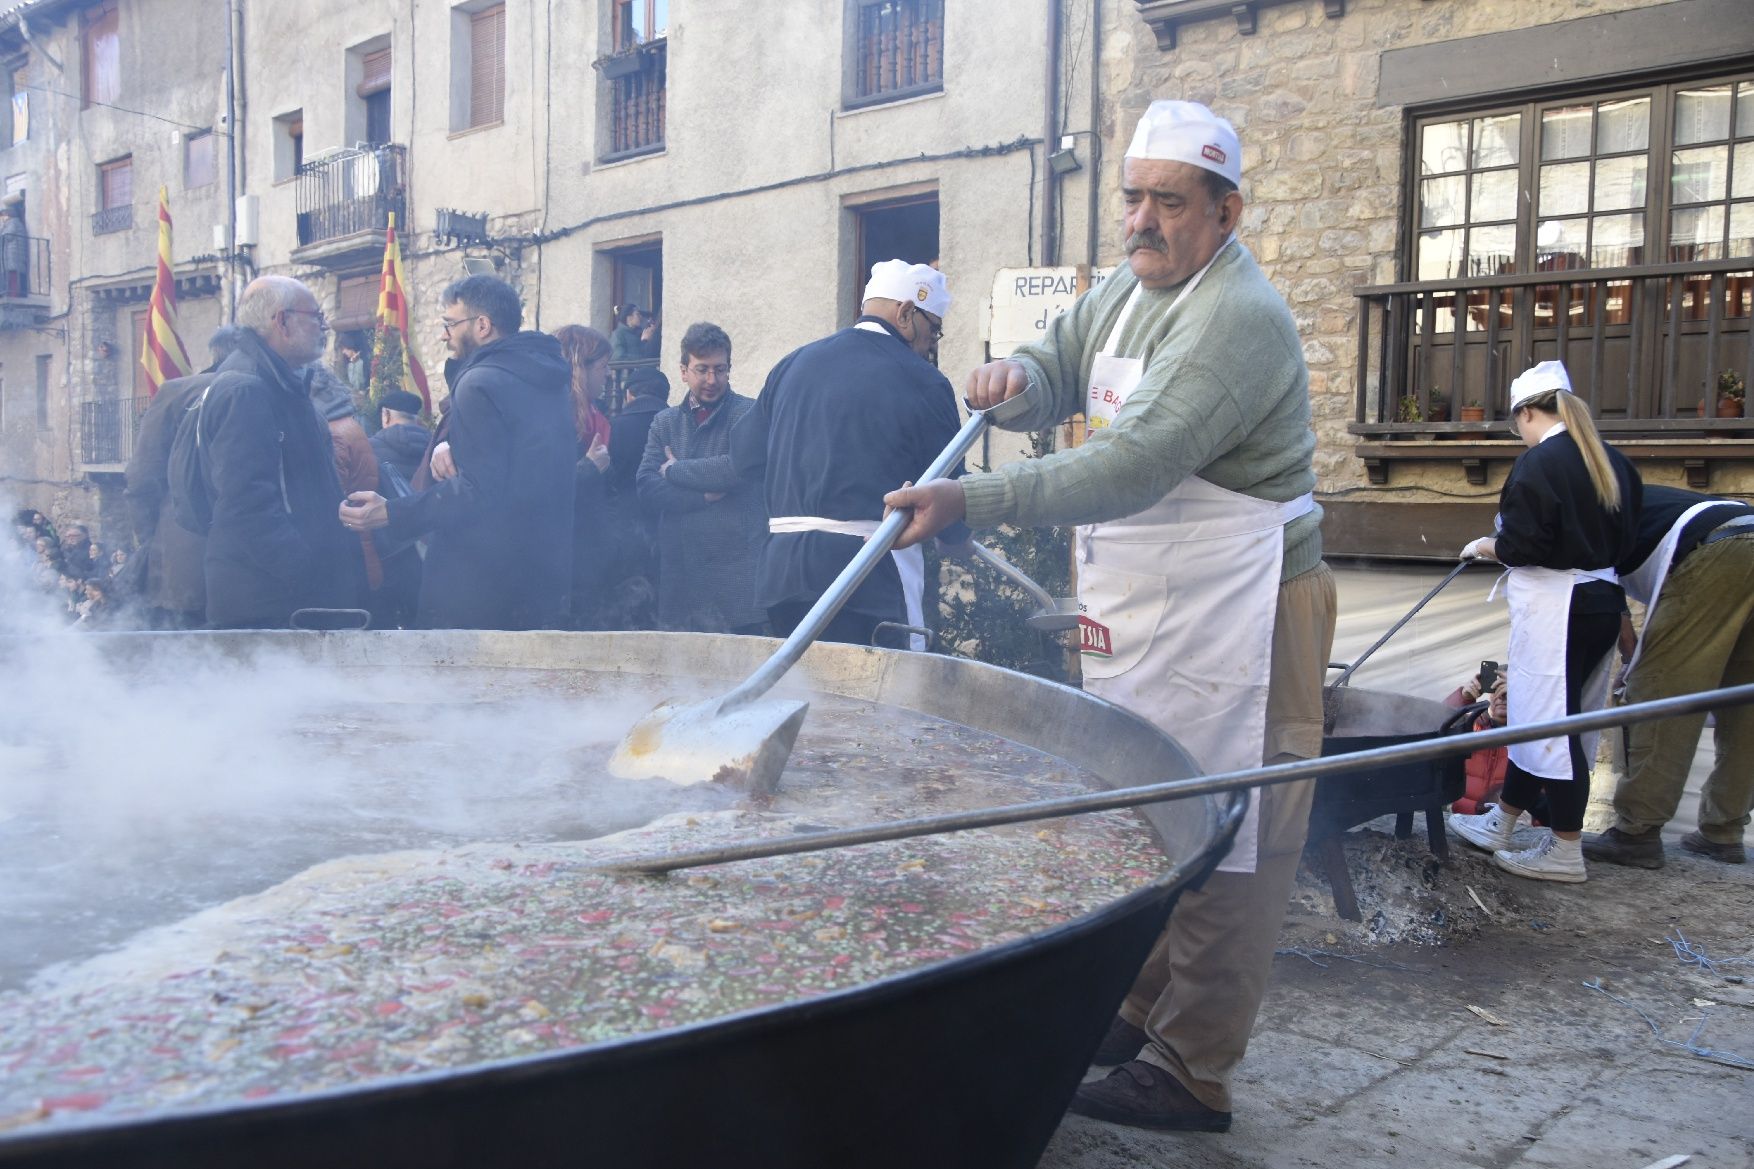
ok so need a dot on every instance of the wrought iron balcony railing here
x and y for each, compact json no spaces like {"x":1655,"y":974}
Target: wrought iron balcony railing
{"x":112,"y":219}
{"x":24,"y":267}
{"x":107,"y":427}
{"x":351,"y":191}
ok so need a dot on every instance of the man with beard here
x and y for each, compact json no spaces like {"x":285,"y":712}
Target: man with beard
{"x":268,"y":466}
{"x":1205,"y":605}
{"x":498,"y":523}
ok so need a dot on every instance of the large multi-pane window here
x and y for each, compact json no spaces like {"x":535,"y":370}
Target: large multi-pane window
{"x":1663,"y":174}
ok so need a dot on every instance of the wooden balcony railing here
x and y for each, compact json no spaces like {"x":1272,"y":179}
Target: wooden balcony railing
{"x":1645,"y":346}
{"x":900,"y":49}
{"x":637,"y":101}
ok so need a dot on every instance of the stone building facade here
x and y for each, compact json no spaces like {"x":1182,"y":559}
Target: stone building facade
{"x":1610,"y":136}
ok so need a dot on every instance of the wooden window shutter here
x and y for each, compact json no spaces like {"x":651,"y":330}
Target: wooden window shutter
{"x":103,"y":55}
{"x":374,"y":73}
{"x":487,"y":66}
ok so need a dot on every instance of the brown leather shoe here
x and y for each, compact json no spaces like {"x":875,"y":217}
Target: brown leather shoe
{"x":1145,"y":1096}
{"x":1640,"y":850}
{"x":1122,"y":1043}
{"x":1730,"y":854}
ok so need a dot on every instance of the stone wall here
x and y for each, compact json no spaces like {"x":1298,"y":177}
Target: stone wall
{"x":1323,"y":173}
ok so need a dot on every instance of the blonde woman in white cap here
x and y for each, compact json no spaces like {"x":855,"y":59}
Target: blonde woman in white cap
{"x":1567,"y":514}
{"x":1206,"y":607}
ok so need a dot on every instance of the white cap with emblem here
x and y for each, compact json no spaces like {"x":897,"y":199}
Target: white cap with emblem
{"x":920,"y":285}
{"x":1186,"y":131}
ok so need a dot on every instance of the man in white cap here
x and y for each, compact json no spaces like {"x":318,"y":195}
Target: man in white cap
{"x":839,"y":423}
{"x":1205,"y":605}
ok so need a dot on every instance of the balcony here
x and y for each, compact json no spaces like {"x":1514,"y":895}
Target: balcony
{"x":112,"y":219}
{"x":1644,"y":346}
{"x":24,"y":281}
{"x":637,"y":97}
{"x":106,"y":431}
{"x":345,"y":200}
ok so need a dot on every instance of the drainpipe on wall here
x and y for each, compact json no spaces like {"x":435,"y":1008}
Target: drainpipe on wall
{"x":1093,"y":180}
{"x":1050,"y":141}
{"x":233,"y":139}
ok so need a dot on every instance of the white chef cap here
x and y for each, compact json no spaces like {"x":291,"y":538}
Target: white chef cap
{"x":1537,"y":380}
{"x":1186,"y":131}
{"x":920,"y":285}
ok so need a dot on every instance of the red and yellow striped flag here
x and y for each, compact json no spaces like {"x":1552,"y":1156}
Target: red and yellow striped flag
{"x":393,"y":310}
{"x":163,"y":356}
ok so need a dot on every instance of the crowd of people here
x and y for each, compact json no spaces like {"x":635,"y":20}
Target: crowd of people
{"x":1205,"y":604}
{"x":84,"y":583}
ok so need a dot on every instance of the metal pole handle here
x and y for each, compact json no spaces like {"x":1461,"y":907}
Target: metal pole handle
{"x":1396,"y":627}
{"x":1130,"y":797}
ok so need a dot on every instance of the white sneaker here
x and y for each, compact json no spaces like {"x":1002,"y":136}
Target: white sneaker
{"x":1490,"y":831}
{"x":1552,"y":859}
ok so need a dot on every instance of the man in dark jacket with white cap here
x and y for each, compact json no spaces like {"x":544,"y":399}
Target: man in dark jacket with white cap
{"x":840,"y":422}
{"x":498,"y":529}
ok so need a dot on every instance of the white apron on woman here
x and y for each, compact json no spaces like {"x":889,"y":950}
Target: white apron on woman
{"x":1177,"y":603}
{"x":1540,"y":613}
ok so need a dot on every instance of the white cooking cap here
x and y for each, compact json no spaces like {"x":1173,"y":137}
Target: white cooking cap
{"x":1186,"y":131}
{"x":920,"y":285}
{"x":1537,"y":380}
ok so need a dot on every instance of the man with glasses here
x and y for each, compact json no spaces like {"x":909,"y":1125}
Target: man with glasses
{"x":268,"y":467}
{"x":710,"y":521}
{"x":840,"y":422}
{"x":498,"y":518}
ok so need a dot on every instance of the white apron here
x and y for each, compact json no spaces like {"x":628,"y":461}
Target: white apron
{"x":909,"y":562}
{"x":1645,"y":583}
{"x":1176,"y":604}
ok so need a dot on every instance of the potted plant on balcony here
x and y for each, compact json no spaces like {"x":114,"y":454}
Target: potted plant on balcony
{"x":1436,"y":406}
{"x":1473,"y":412}
{"x":1731,"y":391}
{"x":1408,"y":410}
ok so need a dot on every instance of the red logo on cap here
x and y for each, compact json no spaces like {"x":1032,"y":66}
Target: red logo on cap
{"x":1213,"y":153}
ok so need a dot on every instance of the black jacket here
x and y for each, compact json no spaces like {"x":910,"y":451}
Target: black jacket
{"x":401,"y":446}
{"x":173,"y":558}
{"x":627,"y":440}
{"x":1548,"y":514}
{"x":276,"y":543}
{"x":499,"y":532}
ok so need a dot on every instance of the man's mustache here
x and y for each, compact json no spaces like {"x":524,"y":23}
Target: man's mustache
{"x":1148,"y":238}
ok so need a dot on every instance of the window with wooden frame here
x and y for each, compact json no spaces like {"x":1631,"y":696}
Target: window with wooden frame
{"x":640,"y":22}
{"x":374,"y":91}
{"x":894,"y":49}
{"x":101,"y":41}
{"x":1611,"y":230}
{"x":115,"y":196}
{"x":18,"y":111}
{"x":45,"y":363}
{"x":200,"y":160}
{"x":487,"y":66}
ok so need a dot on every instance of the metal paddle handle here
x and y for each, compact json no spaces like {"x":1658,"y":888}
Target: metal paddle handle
{"x":1015,"y":575}
{"x":1229,"y":781}
{"x":1396,"y":627}
{"x":862,"y":564}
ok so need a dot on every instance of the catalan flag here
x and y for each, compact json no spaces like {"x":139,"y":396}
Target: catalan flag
{"x":393,"y":310}
{"x":163,"y":356}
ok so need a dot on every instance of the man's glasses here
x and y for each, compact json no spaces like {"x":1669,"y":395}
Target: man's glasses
{"x":717,"y":371}
{"x":322,"y":321}
{"x":934,"y":323}
{"x":447,"y":324}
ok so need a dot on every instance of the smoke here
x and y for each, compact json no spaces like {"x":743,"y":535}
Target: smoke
{"x":145,"y":776}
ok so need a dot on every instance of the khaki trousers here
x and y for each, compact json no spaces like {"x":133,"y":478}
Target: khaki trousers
{"x":1198,"y":993}
{"x":1700,"y":637}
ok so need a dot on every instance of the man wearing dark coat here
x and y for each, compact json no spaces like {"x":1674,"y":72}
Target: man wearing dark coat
{"x":274,"y":545}
{"x":498,"y":519}
{"x":710,"y":520}
{"x":841,"y":422}
{"x":401,"y":440}
{"x":173,"y":570}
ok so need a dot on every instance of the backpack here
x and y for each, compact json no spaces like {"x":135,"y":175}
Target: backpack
{"x":191,"y":502}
